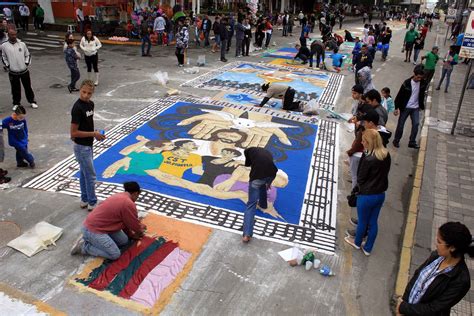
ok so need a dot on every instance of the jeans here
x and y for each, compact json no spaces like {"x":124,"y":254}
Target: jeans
{"x":416,"y":53}
{"x":84,"y":157}
{"x":354,"y":165}
{"x":104,"y":245}
{"x":257,"y":193}
{"x":285,"y":30}
{"x":267,"y":40}
{"x":75,"y":75}
{"x":320,"y":56}
{"x":368,"y":210}
{"x":16,"y":81}
{"x":206,"y":38}
{"x":92,"y":62}
{"x":414,"y":114}
{"x":445,"y":73}
{"x":223,"y":49}
{"x":22,"y":154}
{"x":146,"y":40}
{"x":385,"y":49}
{"x":238,"y":47}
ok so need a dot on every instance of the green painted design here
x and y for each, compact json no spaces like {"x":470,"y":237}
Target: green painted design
{"x":121,"y":280}
{"x":95,"y":273}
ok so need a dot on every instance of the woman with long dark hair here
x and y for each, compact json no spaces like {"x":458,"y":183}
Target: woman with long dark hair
{"x":90,"y":45}
{"x":443,"y":279}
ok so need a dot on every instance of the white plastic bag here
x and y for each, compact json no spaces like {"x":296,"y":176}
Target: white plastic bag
{"x":201,"y":61}
{"x":161,"y":77}
{"x":311,"y":108}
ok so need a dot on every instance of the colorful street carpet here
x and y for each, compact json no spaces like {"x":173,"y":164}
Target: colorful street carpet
{"x":247,"y":77}
{"x":188,"y":157}
{"x":147,"y":274}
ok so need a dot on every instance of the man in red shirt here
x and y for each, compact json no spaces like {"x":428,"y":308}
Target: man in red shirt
{"x":424,"y":30}
{"x":111,"y":225}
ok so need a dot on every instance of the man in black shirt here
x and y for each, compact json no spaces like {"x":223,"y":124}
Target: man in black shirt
{"x":83,"y":134}
{"x":262,"y":173}
{"x":224,"y":35}
{"x":303,"y":53}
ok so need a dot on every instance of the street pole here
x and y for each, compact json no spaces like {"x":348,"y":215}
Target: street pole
{"x":466,"y":79}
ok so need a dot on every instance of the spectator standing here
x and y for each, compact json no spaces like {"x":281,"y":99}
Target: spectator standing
{"x":301,"y":17}
{"x":239,"y":38}
{"x":17,"y":17}
{"x":224,"y":36}
{"x":17,"y":58}
{"x":83,"y":134}
{"x":408,"y":103}
{"x":262,"y":173}
{"x":372,"y":182}
{"x":25,"y":13}
{"x":247,"y":37}
{"x":18,"y":136}
{"x":40,"y":17}
{"x":90,"y":45}
{"x":268,"y":33}
{"x":159,"y":27}
{"x":80,"y":19}
{"x":430,"y":63}
{"x":409,"y":41}
{"x":386,"y":37}
{"x":230,"y":32}
{"x":217,"y":34}
{"x":363,"y":59}
{"x":387,"y":101}
{"x":418,"y":46}
{"x":35,"y":19}
{"x":206,"y":29}
{"x":182,"y":40}
{"x":443,"y":279}
{"x":450,"y":60}
{"x":72,"y":56}
{"x":108,"y":230}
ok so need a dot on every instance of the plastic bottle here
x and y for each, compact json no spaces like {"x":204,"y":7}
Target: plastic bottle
{"x":326,"y":271}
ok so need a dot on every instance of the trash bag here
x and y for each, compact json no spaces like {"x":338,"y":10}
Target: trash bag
{"x":201,"y":61}
{"x":311,"y":108}
{"x":161,"y":77}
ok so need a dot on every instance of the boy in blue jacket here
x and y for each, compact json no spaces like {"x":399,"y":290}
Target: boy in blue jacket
{"x":18,"y":136}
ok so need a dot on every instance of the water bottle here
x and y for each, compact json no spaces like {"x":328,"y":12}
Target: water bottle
{"x":326,"y":271}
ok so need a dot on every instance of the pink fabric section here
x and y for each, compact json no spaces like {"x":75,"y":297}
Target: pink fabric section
{"x":160,"y":277}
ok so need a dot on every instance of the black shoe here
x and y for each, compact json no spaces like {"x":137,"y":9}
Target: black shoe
{"x":396,"y":144}
{"x":75,"y":90}
{"x":32,"y":165}
{"x":437,"y":88}
{"x":5,"y":180}
{"x":414,"y":145}
{"x":22,"y":165}
{"x":69,"y":88}
{"x":224,"y":60}
{"x":3,"y":172}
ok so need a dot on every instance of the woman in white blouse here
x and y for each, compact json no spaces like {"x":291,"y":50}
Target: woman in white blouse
{"x":90,"y":45}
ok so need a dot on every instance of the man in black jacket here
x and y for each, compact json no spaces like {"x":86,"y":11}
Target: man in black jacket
{"x":362,"y":60}
{"x":224,"y":35}
{"x":206,"y":29}
{"x":408,"y":103}
{"x":303,"y":53}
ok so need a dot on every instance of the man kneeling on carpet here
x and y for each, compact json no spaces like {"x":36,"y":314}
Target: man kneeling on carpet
{"x":281,"y":91}
{"x":111,"y":225}
{"x":303,"y":53}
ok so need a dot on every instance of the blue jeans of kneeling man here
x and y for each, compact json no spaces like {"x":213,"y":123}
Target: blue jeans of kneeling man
{"x":104,"y":245}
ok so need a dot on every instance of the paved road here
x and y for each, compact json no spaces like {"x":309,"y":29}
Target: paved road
{"x":227,"y":278}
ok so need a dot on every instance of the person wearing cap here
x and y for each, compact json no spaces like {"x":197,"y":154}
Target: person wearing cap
{"x":281,"y":91}
{"x":109,"y":228}
{"x":430,"y":63}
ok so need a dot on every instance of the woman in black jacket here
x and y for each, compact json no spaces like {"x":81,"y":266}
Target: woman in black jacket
{"x":443,"y":280}
{"x":372,"y":182}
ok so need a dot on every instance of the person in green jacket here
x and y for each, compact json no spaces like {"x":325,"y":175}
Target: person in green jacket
{"x":430,"y":63}
{"x":40,"y":17}
{"x":449,"y":61}
{"x":409,"y":41}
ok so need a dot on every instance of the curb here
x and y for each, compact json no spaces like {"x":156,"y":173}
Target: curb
{"x":410,"y":225}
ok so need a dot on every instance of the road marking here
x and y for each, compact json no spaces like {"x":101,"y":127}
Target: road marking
{"x":35,"y":48}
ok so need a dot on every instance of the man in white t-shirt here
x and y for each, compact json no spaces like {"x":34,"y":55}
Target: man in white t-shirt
{"x":80,"y":19}
{"x":25,"y":13}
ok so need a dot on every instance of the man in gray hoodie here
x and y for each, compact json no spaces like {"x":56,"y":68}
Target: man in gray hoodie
{"x":17,"y":58}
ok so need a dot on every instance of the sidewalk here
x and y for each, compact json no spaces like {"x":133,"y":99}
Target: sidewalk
{"x":447,"y":189}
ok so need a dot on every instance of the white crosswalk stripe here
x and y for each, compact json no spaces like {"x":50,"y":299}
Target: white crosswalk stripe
{"x":41,"y":42}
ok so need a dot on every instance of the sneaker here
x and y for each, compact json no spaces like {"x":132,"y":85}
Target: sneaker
{"x":5,"y":180}
{"x":34,"y":105}
{"x":365,"y":252}
{"x":83,"y":204}
{"x":22,"y":165}
{"x":350,"y":233}
{"x":351,"y":242}
{"x":90,"y":208}
{"x":32,"y":165}
{"x":77,"y":246}
{"x":14,"y":107}
{"x":354,"y":221}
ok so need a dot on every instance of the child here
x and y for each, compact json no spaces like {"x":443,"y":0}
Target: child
{"x":337,"y":60}
{"x":387,"y":101}
{"x":18,"y":136}
{"x":3,"y":173}
{"x":71,"y":60}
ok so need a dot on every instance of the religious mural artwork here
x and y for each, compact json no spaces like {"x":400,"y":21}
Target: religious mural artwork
{"x":188,"y":156}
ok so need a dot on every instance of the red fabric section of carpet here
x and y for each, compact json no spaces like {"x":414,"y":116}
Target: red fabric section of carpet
{"x":104,"y":279}
{"x":149,"y":264}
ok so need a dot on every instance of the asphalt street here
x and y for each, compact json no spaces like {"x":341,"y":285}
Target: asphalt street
{"x":228,"y":277}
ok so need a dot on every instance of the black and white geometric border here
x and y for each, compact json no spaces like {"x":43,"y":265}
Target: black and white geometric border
{"x":318,"y":217}
{"x":327,"y":99}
